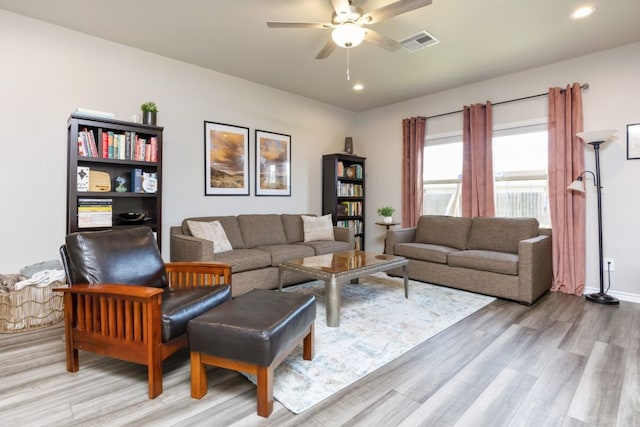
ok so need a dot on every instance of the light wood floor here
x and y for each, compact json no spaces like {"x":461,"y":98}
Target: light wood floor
{"x":562,"y":362}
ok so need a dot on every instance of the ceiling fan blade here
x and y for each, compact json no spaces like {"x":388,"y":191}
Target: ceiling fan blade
{"x":381,"y":40}
{"x":393,"y":9}
{"x":341,"y":6}
{"x":298,"y":25}
{"x":326,"y":50}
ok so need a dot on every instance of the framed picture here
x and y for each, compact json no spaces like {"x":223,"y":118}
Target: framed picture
{"x":273,"y":164}
{"x":226,"y":160}
{"x":633,"y":141}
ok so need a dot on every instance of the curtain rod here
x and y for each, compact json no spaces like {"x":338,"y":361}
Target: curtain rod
{"x":582,"y":86}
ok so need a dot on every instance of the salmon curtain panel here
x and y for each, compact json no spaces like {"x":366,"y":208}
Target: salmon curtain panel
{"x":413,"y":130}
{"x":567,"y":208}
{"x":477,"y":161}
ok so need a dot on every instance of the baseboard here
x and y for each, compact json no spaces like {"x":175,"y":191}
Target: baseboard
{"x":622,"y":296}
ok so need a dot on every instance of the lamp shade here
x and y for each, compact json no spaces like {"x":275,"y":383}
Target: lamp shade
{"x":348,"y":34}
{"x":577,"y":185}
{"x":596,"y":135}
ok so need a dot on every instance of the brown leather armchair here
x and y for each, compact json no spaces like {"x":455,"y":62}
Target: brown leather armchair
{"x":144,"y":323}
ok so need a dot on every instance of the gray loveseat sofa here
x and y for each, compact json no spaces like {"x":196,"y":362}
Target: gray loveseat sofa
{"x":504,"y":257}
{"x":259,"y":244}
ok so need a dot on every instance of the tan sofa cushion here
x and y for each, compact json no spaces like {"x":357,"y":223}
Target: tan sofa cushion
{"x":245,"y":259}
{"x":229,"y":223}
{"x":282,"y":253}
{"x":293,"y":228}
{"x":423,"y":252}
{"x":500,"y":234}
{"x":496,"y":262}
{"x":262,"y":230}
{"x":443,"y":230}
{"x":322,"y":247}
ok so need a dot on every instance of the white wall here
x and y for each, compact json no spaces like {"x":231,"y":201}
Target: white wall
{"x":47,"y":72}
{"x":610,"y":102}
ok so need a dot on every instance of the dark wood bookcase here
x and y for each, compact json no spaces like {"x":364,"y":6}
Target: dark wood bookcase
{"x":343,"y":190}
{"x":149,"y":203}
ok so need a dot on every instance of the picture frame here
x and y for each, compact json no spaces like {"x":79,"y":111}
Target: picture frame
{"x":273,"y":163}
{"x":633,"y":141}
{"x":226,"y":159}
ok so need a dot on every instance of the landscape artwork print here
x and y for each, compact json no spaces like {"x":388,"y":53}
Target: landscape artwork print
{"x":273,"y":164}
{"x":226,"y":159}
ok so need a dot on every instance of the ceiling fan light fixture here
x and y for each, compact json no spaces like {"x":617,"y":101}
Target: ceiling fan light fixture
{"x":348,"y":34}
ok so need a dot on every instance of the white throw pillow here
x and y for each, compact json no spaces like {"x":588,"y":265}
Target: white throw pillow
{"x":317,"y":228}
{"x":211,"y":231}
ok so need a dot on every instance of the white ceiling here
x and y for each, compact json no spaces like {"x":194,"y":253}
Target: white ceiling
{"x":478,"y":40}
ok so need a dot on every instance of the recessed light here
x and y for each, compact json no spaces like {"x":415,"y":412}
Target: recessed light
{"x":582,"y":12}
{"x":358,"y":86}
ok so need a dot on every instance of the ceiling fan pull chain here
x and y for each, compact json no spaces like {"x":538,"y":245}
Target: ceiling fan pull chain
{"x":348,"y":65}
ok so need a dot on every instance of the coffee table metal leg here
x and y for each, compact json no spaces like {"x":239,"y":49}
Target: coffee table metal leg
{"x":334,"y":293}
{"x":405,"y":272}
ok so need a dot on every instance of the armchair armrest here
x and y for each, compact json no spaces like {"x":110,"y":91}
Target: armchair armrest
{"x":345,"y":234}
{"x":197,"y":274}
{"x":400,"y":235}
{"x":535,"y":267}
{"x":189,"y":248}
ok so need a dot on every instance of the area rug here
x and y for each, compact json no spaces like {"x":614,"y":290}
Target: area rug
{"x":377,"y":324}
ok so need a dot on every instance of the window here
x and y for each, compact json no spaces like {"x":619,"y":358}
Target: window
{"x":442,"y":176}
{"x":520,"y":171}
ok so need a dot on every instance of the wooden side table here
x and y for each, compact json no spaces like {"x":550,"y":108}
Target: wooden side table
{"x":386,"y":225}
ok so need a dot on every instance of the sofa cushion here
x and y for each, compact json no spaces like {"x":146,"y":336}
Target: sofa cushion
{"x":245,"y":259}
{"x":282,"y":253}
{"x":229,"y":223}
{"x":293,"y":228}
{"x":212,"y":231}
{"x":440,"y":230}
{"x":262,"y":230}
{"x":495,"y":262}
{"x":423,"y":252}
{"x":317,"y":228}
{"x":500,"y":234}
{"x":322,"y":247}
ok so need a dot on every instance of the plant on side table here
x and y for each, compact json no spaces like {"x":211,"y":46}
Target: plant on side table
{"x":386,"y":213}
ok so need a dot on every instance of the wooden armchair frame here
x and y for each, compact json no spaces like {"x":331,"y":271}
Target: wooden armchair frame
{"x":124,"y":321}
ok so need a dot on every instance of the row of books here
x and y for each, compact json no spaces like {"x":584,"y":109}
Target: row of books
{"x":348,"y":189}
{"x":112,"y":145}
{"x":95,"y":213}
{"x":355,"y":224}
{"x":349,"y":209}
{"x":351,"y":171}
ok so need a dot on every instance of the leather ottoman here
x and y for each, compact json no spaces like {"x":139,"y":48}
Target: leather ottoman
{"x":252,"y":333}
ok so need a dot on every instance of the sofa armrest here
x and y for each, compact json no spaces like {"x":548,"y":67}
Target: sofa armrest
{"x":535,"y":267}
{"x":344,"y":234}
{"x":189,"y":248}
{"x":400,"y":235}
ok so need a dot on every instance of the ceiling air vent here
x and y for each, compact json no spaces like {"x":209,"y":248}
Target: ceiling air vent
{"x":419,"y":41}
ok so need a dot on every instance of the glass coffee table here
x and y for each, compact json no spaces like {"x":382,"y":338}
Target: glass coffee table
{"x":338,"y":268}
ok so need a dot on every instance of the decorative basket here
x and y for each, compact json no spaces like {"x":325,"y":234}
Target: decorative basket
{"x":31,"y":308}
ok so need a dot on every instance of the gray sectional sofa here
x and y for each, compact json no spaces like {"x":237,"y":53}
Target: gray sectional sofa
{"x":259,"y":243}
{"x":504,"y":257}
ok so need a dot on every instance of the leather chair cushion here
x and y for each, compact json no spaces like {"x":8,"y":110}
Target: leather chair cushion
{"x":127,"y":256}
{"x":254,"y":327}
{"x":181,"y":305}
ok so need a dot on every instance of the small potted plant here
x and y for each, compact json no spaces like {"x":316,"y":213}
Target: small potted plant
{"x":149,"y":112}
{"x":386,"y":212}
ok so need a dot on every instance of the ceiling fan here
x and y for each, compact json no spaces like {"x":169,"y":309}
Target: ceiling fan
{"x":349,"y":24}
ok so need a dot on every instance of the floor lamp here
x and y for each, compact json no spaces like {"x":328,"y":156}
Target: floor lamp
{"x":595,"y":139}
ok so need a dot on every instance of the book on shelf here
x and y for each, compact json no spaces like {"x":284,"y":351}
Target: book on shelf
{"x":95,"y":213}
{"x":112,"y":145}
{"x":82,"y":178}
{"x":94,"y":113}
{"x":136,"y":180}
